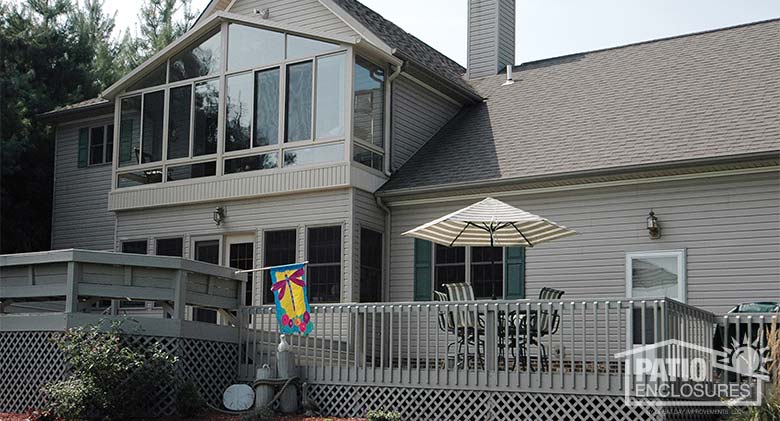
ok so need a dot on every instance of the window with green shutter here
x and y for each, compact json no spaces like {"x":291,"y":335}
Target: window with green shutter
{"x":83,"y":151}
{"x":422,"y":270}
{"x":515,"y":273}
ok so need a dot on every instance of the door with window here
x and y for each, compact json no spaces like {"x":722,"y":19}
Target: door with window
{"x":240,"y":254}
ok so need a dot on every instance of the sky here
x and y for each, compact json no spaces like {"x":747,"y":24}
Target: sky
{"x":549,"y":28}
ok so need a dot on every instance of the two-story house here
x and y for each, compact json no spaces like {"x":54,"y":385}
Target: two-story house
{"x":283,"y":131}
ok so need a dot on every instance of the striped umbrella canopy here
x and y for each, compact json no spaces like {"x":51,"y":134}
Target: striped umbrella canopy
{"x":491,"y":223}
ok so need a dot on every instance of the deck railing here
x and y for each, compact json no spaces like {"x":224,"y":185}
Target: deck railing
{"x":519,"y":345}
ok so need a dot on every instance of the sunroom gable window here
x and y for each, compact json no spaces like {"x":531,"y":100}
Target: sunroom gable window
{"x":243,"y":51}
{"x":202,"y":59}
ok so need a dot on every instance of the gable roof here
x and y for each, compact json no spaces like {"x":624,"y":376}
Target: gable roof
{"x":706,"y":95}
{"x":407,"y":46}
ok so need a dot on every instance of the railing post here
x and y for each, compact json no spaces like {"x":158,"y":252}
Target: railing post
{"x":72,"y":288}
{"x":179,"y":294}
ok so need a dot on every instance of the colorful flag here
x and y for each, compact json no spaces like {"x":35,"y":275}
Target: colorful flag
{"x":292,"y":302}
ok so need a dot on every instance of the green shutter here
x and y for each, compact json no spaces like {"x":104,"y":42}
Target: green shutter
{"x":515,"y":273}
{"x":423,"y":284}
{"x":83,"y":147}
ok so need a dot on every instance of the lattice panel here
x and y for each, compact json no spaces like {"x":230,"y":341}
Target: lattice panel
{"x":28,"y":360}
{"x":448,"y":404}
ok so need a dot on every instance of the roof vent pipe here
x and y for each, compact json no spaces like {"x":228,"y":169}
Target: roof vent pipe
{"x":510,"y":79}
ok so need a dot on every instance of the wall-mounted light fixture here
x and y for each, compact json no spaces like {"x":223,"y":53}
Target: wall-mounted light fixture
{"x":219,"y":215}
{"x":653,"y":227}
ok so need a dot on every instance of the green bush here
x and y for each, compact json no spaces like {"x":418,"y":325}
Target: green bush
{"x":189,"y":403}
{"x":382,"y":415}
{"x":109,"y":378}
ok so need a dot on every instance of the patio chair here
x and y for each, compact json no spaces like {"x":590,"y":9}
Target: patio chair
{"x":542,"y":323}
{"x":468,"y":326}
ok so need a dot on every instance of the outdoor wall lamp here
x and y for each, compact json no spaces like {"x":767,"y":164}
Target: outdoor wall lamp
{"x":653,"y":227}
{"x":219,"y":215}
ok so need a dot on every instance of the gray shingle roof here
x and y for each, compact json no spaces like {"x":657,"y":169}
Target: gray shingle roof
{"x":697,"y":96}
{"x":406,"y":43}
{"x":83,"y":105}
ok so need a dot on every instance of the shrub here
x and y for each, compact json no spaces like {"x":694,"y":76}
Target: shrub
{"x":189,"y":403}
{"x":110,"y":379}
{"x":382,"y":415}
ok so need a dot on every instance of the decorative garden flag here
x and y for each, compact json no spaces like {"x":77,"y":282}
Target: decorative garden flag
{"x":292,"y":301}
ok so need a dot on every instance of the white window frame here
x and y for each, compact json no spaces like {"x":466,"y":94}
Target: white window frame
{"x":682,"y":277}
{"x":361,"y":142}
{"x":106,"y":151}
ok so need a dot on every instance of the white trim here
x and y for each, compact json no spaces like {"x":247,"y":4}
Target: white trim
{"x":682,"y":278}
{"x":454,"y":197}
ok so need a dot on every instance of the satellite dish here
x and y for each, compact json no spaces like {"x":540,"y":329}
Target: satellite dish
{"x":239,"y":397}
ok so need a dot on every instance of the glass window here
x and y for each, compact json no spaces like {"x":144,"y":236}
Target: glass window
{"x":130,"y":131}
{"x":251,"y":163}
{"x":330,"y":96}
{"x":369,"y":102}
{"x":152,"y":139}
{"x":134,"y":247}
{"x":207,"y":251}
{"x":243,"y":43}
{"x":266,"y":108}
{"x":96,"y":145}
{"x":179,"y":122}
{"x":238,"y":113}
{"x":155,"y":78}
{"x":314,"y":155}
{"x":279,"y":250}
{"x":656,"y":275}
{"x":370,"y":266}
{"x":139,"y":178}
{"x":298,"y":47}
{"x":110,"y":143}
{"x":173,"y":247}
{"x":369,"y":158}
{"x":206,"y":118}
{"x":299,"y":101}
{"x":242,"y":257}
{"x":324,"y":255}
{"x":487,"y":272}
{"x":185,"y":172}
{"x":449,"y":266}
{"x":201,"y":60}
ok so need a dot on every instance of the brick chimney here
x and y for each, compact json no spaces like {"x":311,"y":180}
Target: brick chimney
{"x":491,"y":37}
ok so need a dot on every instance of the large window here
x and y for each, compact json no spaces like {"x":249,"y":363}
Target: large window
{"x":370,"y":266}
{"x":279,"y":250}
{"x":284,"y":97}
{"x":485,"y":269}
{"x":173,"y":247}
{"x":134,"y":247}
{"x":324,"y":255}
{"x":656,"y":274}
{"x":369,"y":109}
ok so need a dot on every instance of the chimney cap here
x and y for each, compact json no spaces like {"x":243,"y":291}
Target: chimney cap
{"x":510,"y":77}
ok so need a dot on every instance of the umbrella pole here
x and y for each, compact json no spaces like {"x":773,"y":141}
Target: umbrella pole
{"x":492,"y":267}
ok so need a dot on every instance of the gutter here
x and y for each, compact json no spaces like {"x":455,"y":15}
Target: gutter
{"x":774,"y":154}
{"x":388,"y":116}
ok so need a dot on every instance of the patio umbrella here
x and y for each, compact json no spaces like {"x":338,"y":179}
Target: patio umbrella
{"x":490,"y":223}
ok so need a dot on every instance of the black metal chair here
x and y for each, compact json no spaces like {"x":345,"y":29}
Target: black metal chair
{"x":467,"y":329}
{"x":538,"y":324}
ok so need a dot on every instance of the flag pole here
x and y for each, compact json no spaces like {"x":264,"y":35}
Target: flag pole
{"x":269,"y":268}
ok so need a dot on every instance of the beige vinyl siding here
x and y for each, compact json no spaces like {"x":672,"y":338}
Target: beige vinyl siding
{"x":730,"y":227}
{"x":81,"y":218}
{"x":304,"y":13}
{"x":254,"y":216}
{"x":417,"y":114}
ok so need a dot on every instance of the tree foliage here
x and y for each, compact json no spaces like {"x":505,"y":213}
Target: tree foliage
{"x":54,"y":53}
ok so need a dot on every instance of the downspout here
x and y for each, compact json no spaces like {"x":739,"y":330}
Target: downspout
{"x":385,"y":251}
{"x":388,"y":114}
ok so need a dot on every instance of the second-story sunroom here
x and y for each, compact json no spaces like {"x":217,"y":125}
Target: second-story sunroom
{"x":240,"y":97}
